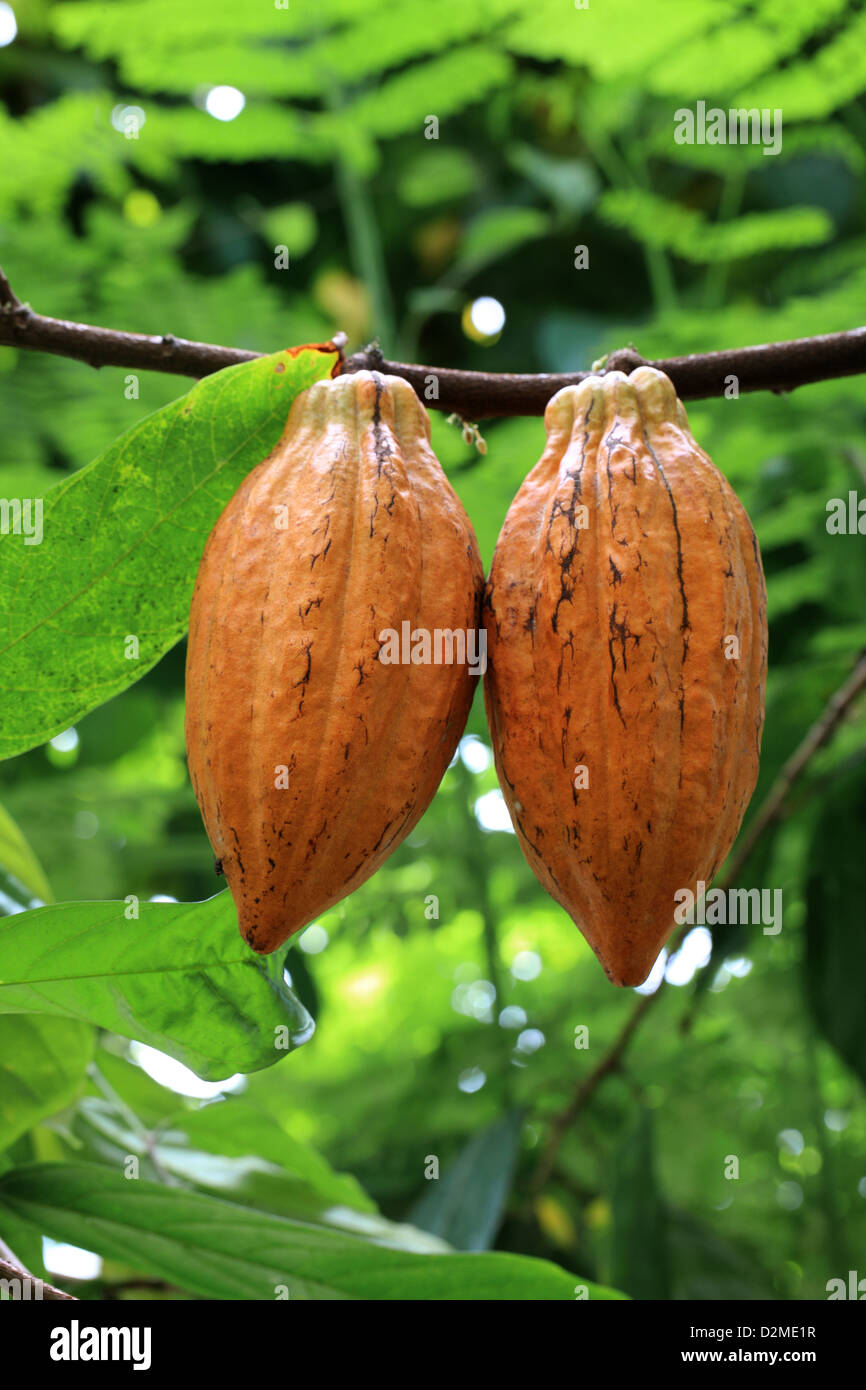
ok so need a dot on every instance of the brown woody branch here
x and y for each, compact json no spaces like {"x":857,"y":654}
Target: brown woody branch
{"x":40,"y":1290}
{"x":473,"y":395}
{"x":770,"y":811}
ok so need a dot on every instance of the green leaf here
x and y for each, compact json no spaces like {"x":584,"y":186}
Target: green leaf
{"x":237,"y":1127}
{"x":293,"y":225}
{"x":465,"y":1205}
{"x":611,"y":40}
{"x":152,"y":1103}
{"x":689,"y":234}
{"x":452,"y":82}
{"x":42,"y":1068}
{"x":121,"y":544}
{"x":572,"y":185}
{"x":304,"y":1187}
{"x":437,"y":176}
{"x":219,"y":1250}
{"x":819,"y":83}
{"x":499,"y":231}
{"x":835,"y":959}
{"x":640,"y":1255}
{"x":20,"y":863}
{"x":178,"y":978}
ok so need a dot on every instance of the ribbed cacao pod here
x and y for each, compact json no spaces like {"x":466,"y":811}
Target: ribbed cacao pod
{"x":347,"y":530}
{"x":627,"y":641}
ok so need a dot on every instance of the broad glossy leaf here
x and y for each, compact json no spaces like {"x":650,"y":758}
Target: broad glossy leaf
{"x":220,"y":1250}
{"x":121,"y":542}
{"x":179,"y":978}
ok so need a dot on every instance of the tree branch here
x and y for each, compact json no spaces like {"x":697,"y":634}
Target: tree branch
{"x":775,"y":367}
{"x":770,"y":811}
{"x":41,"y":1290}
{"x":473,"y":395}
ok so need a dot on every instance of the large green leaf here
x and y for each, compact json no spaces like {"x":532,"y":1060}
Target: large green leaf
{"x":178,"y":978}
{"x":121,"y":543}
{"x":220,"y":1250}
{"x":42,"y":1069}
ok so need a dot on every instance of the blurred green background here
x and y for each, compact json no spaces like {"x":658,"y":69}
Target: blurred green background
{"x":555,"y":131}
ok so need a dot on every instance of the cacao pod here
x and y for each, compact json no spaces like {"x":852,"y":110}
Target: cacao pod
{"x":627,"y":641}
{"x":348,"y":530}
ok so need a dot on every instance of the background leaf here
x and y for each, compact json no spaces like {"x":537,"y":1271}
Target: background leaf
{"x":43,"y":1069}
{"x":640,"y":1252}
{"x":465,"y":1204}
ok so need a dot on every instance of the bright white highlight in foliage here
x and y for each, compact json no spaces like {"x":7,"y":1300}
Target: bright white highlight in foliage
{"x":177,"y":1077}
{"x":127,"y":118}
{"x":491,"y":812}
{"x":65,"y":742}
{"x":692,"y":955}
{"x":791,"y":1140}
{"x":789,"y":1195}
{"x":224,"y":103}
{"x":8,"y":25}
{"x":836,"y":1120}
{"x":526,"y":965}
{"x":488,"y":316}
{"x":474,"y":755}
{"x":656,"y":975}
{"x":314,"y":940}
{"x":471,"y":1080}
{"x":70,"y":1261}
{"x":512,"y":1016}
{"x":475,"y":999}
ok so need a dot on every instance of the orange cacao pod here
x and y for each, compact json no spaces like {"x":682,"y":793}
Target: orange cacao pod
{"x":311,"y":755}
{"x":627,"y":641}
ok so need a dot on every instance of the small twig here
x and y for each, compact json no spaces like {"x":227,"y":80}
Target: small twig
{"x":41,"y":1290}
{"x":148,"y":1139}
{"x":770,"y":810}
{"x":609,"y":1063}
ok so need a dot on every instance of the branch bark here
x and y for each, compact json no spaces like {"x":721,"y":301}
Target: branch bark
{"x":775,"y":367}
{"x":778,"y":367}
{"x":41,"y":1290}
